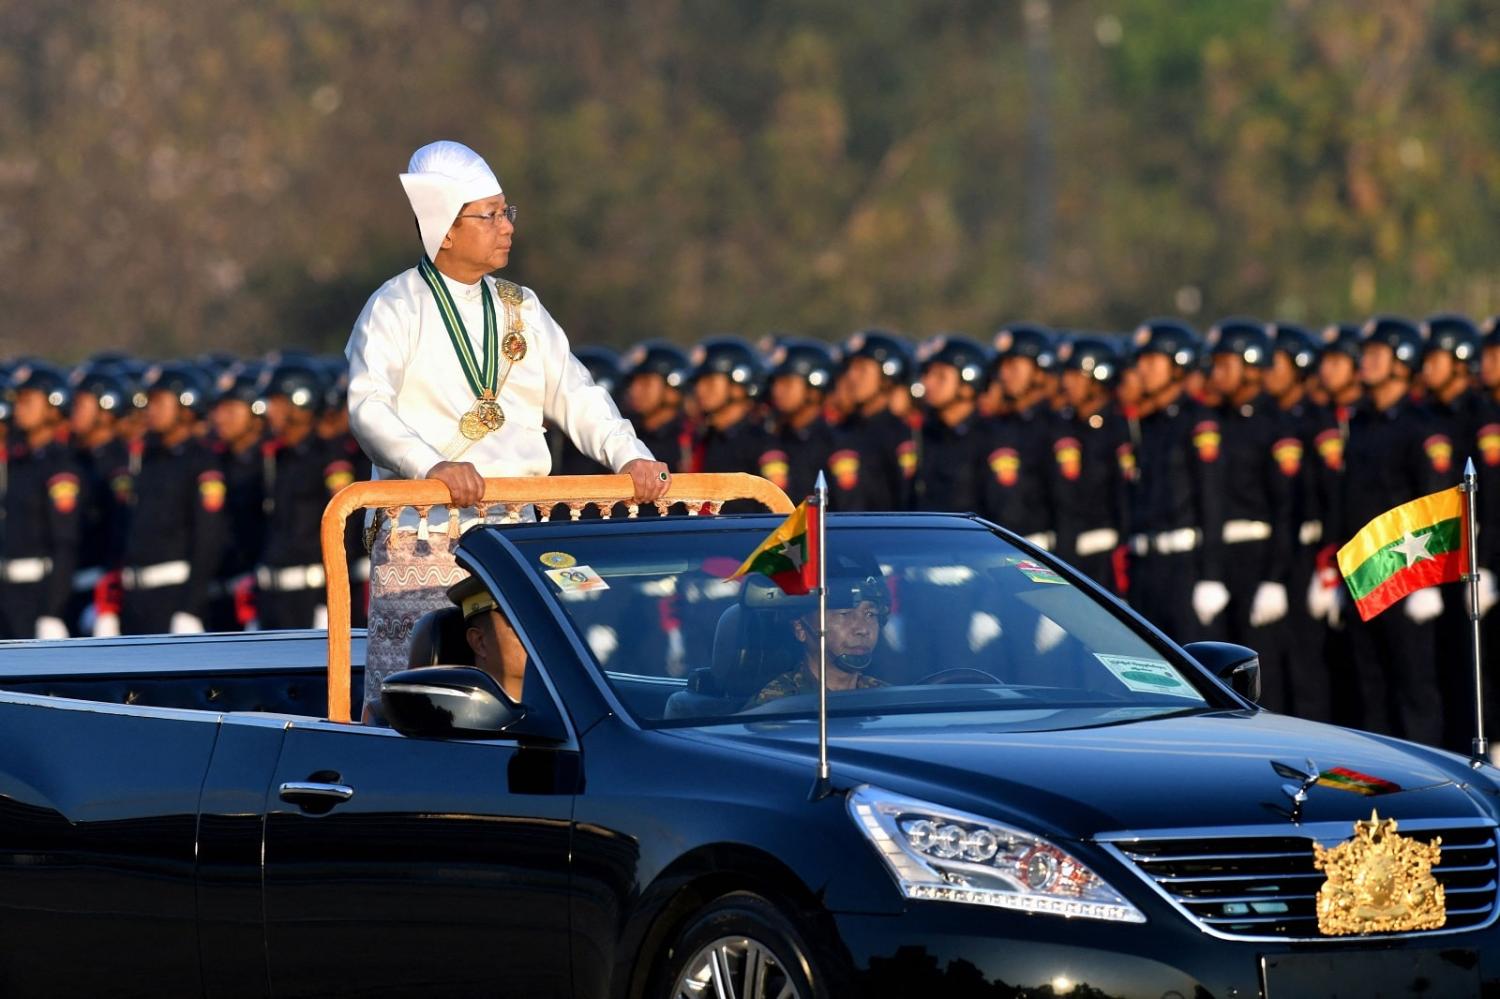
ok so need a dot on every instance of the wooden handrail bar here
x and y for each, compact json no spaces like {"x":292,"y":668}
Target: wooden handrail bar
{"x":700,"y":491}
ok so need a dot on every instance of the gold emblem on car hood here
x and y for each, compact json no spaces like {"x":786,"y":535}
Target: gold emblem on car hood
{"x":1379,"y":882}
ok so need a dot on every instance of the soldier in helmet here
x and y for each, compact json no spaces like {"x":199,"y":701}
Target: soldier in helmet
{"x":727,"y":378}
{"x":1015,"y":492}
{"x":99,"y":399}
{"x":1393,"y":455}
{"x":655,"y":375}
{"x":41,"y":508}
{"x":333,"y":428}
{"x":800,"y":441}
{"x":1091,"y":459}
{"x":1177,"y":493}
{"x":954,"y":371}
{"x":1455,"y":408}
{"x":303,"y":475}
{"x":1261,"y":457}
{"x":877,"y":458}
{"x":177,"y":525}
{"x":237,"y":421}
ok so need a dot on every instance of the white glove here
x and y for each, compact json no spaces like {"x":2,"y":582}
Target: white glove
{"x":1269,"y":605}
{"x":51,"y":627}
{"x":320,"y":617}
{"x":107,"y":626}
{"x":185,"y":624}
{"x":1210,"y":597}
{"x":1423,"y":605}
{"x":1320,"y":598}
{"x":1488,"y":592}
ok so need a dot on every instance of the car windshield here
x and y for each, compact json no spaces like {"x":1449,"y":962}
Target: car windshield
{"x":920,"y":619}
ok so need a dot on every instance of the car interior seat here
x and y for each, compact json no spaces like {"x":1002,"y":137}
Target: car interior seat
{"x":751,"y":646}
{"x":437,"y":639}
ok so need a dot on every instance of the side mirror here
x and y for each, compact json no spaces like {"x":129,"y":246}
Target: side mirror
{"x":1234,"y":664}
{"x":448,"y":702}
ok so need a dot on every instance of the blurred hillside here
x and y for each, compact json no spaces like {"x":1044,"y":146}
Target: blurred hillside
{"x":180,"y":176}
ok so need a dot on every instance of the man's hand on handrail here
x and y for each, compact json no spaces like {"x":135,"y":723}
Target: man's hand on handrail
{"x":649,"y":478}
{"x":463,"y":480}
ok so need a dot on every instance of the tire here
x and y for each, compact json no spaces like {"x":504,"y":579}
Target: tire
{"x":745,"y":939}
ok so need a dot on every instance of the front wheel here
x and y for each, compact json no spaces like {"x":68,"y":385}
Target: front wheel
{"x":741,"y":945}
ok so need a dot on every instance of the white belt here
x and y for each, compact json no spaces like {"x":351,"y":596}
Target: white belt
{"x":1239,"y":531}
{"x":151,"y":577}
{"x":1096,"y":542}
{"x":1311,"y":532}
{"x":1178,"y":542}
{"x":1045,"y":540}
{"x":280,"y":579}
{"x":25,"y":570}
{"x":84,"y":580}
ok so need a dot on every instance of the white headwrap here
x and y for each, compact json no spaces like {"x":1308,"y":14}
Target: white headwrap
{"x":441,"y":178}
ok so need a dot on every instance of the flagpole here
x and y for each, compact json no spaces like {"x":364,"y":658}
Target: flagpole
{"x":819,"y":501}
{"x":1470,"y":489}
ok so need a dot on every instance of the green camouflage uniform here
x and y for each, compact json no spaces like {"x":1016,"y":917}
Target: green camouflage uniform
{"x":798,"y":682}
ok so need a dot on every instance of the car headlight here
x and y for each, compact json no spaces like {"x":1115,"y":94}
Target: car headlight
{"x":944,"y":855}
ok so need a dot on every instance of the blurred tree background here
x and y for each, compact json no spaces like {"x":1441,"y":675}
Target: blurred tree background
{"x":185,"y":175}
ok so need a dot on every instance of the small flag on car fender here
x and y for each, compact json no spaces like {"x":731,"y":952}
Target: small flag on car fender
{"x":789,"y":556}
{"x":1418,"y":544}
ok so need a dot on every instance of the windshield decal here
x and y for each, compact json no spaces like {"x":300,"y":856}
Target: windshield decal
{"x":1038,"y":573}
{"x":557,"y":560}
{"x":1148,"y":676}
{"x":579,"y":578}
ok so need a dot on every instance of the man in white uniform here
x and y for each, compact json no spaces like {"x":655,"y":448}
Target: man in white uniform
{"x":452,"y":372}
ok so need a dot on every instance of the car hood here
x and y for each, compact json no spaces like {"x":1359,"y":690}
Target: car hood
{"x":1211,"y":769}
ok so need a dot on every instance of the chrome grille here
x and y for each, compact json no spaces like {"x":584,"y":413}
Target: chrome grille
{"x":1264,"y":886}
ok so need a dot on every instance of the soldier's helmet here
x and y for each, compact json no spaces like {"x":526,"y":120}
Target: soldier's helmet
{"x":1172,"y":337}
{"x":184,"y":382}
{"x":732,"y":356}
{"x":806,"y":359}
{"x":296,"y":378}
{"x":1296,"y":343}
{"x":657,"y":357}
{"x":1342,"y":338}
{"x":1094,"y":356}
{"x":215,"y":363}
{"x":884,"y":348}
{"x":240,"y":382}
{"x":107,"y":387}
{"x":1455,"y":334}
{"x":335,"y":370}
{"x":603,"y":366}
{"x":1027,"y":340}
{"x":1489,"y":331}
{"x":45,"y":378}
{"x":967,"y":356}
{"x":1401,"y":335}
{"x":1244,"y":338}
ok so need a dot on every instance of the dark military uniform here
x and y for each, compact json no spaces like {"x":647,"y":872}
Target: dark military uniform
{"x":734,"y":449}
{"x":867,"y":467}
{"x":41,"y":543}
{"x":1091,"y":459}
{"x":104,"y":516}
{"x":290,"y":579}
{"x":1176,"y":516}
{"x":793,"y":456}
{"x":798,"y":682}
{"x":671,"y":443}
{"x":1393,"y":456}
{"x":245,"y":505}
{"x":1014,"y":490}
{"x":1304,"y":638}
{"x":1262,"y":462}
{"x":176,"y":536}
{"x":952,"y":461}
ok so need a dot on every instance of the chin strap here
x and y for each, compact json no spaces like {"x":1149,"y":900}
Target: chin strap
{"x":853,"y":664}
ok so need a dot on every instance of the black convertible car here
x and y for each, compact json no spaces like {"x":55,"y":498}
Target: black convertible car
{"x":1032,"y":793}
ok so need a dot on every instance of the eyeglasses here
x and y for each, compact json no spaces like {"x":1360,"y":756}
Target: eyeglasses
{"x":493,"y":218}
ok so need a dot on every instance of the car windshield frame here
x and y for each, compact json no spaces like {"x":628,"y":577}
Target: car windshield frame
{"x":528,"y":541}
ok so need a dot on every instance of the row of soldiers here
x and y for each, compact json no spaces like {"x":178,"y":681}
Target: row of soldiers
{"x":1207,"y":480}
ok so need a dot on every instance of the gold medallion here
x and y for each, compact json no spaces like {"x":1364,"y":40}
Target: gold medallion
{"x":472,"y":425}
{"x":490,"y":414}
{"x":513,"y":347}
{"x":1379,"y":882}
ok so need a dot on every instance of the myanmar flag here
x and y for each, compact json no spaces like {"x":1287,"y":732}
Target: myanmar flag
{"x":1421,"y":543}
{"x":790,"y":555}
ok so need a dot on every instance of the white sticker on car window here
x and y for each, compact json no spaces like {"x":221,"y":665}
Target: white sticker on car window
{"x":578,"y":578}
{"x":1148,"y":676}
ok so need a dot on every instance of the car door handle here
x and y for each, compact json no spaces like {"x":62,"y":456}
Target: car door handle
{"x":314,"y":795}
